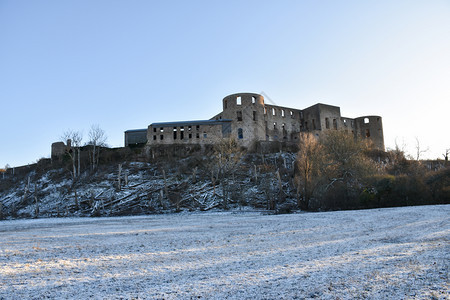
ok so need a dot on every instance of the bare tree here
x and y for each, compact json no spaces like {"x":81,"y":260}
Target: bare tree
{"x":447,"y":152}
{"x":227,"y":155}
{"x":419,"y":149}
{"x":75,"y":138}
{"x":310,"y":162}
{"x":97,"y":139}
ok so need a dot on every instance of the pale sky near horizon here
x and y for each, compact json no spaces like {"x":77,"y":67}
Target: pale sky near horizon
{"x":126,"y":64}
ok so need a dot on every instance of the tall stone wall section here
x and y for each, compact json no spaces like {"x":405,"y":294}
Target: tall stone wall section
{"x":371,"y":127}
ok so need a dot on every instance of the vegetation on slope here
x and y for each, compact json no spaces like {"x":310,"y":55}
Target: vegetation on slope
{"x":337,"y":172}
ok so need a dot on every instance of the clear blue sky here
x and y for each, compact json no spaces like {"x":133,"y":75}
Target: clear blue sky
{"x":125,"y":64}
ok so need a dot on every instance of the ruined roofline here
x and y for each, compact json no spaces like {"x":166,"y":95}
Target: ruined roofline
{"x":368,"y":116}
{"x":187,"y":123}
{"x":282,"y":107}
{"x":136,"y":130}
{"x":301,"y":109}
{"x":244,"y":94}
{"x":322,"y":104}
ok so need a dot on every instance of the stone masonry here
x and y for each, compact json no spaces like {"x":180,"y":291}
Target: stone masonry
{"x":249,"y":120}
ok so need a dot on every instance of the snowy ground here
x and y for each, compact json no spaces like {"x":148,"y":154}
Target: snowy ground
{"x":397,"y":253}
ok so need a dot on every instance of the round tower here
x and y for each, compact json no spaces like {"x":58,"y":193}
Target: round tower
{"x":371,"y":127}
{"x":246,"y":110}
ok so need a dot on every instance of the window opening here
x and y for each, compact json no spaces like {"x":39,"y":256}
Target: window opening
{"x":273,"y":112}
{"x":254,"y":116}
{"x":265,"y":110}
{"x":205,"y":135}
{"x":154,"y":137}
{"x":367,"y":133}
{"x":161,"y":129}
{"x":366,"y":120}
{"x":190,"y":135}
{"x":274,"y":125}
{"x":240,"y":134}
{"x":335,"y":124}
{"x":327,"y":123}
{"x":291,"y":113}
{"x":239,"y":115}
{"x":253,"y":99}
{"x":154,"y":129}
{"x":189,"y":128}
{"x":197,"y":135}
{"x":238,"y":100}
{"x":161,"y":137}
{"x":282,"y":113}
{"x":197,"y":127}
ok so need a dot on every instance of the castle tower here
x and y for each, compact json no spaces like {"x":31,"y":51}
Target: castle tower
{"x":371,"y":127}
{"x":246,"y":110}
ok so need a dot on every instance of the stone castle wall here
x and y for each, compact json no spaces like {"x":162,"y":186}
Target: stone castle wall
{"x":248,"y":119}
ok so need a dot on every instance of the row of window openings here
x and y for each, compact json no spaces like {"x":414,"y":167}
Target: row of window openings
{"x":274,"y":113}
{"x":197,"y":127}
{"x":283,"y":112}
{"x":239,"y":101}
{"x":283,"y":126}
{"x":240,"y":133}
{"x":197,"y":136}
{"x":239,"y":114}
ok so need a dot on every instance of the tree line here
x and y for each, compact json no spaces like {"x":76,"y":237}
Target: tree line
{"x":341,"y":172}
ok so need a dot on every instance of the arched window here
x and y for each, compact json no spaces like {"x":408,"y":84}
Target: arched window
{"x":240,"y":134}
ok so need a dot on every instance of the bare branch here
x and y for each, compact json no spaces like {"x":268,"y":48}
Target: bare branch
{"x":419,"y":150}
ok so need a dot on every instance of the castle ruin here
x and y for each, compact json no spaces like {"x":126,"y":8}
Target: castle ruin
{"x":248,"y":119}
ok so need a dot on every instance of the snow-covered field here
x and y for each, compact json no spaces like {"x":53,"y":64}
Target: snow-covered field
{"x":397,"y":253}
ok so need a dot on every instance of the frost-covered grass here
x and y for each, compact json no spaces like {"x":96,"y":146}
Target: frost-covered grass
{"x":397,"y":253}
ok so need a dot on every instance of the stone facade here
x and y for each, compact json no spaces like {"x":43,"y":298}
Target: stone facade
{"x":189,"y":132}
{"x":59,"y":149}
{"x":247,"y":118}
